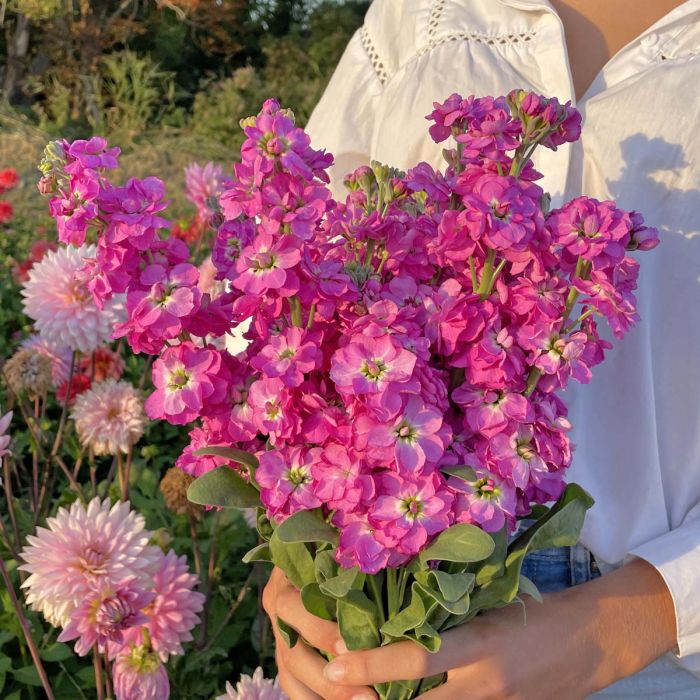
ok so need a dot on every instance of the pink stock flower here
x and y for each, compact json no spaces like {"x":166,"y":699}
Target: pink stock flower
{"x":415,"y":436}
{"x":286,"y":481}
{"x":187,"y":380}
{"x":484,"y":500}
{"x":231,"y":238}
{"x":157,"y":311}
{"x":104,"y":615}
{"x":358,"y":544}
{"x":489,"y":412}
{"x":272,"y":410}
{"x":370,"y":365}
{"x":289,"y":356}
{"x":138,"y":674}
{"x":265,"y":264}
{"x":516,"y":456}
{"x":408,"y":512}
{"x":339,"y":481}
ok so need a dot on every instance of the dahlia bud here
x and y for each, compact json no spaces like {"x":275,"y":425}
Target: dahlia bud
{"x":173,"y":486}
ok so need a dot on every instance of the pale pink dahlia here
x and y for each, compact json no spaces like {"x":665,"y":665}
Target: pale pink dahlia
{"x":109,"y":417}
{"x":105,"y":614}
{"x":172,"y":614}
{"x":203,"y":183}
{"x":59,"y":355}
{"x":4,"y":437}
{"x":61,"y":304}
{"x":255,"y":687}
{"x":81,"y":549}
{"x":138,"y":674}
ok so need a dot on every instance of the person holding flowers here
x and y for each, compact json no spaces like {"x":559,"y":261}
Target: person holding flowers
{"x":630,"y":65}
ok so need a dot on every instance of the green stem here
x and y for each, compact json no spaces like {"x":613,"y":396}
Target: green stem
{"x":295,"y":311}
{"x":377,"y":595}
{"x":487,"y":274}
{"x":312,"y":314}
{"x":580,"y":319}
{"x":392,"y":592}
{"x":472,"y":272}
{"x":532,"y":380}
{"x":369,"y":251}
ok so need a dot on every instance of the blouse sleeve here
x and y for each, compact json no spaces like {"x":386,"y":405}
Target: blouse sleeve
{"x":676,"y":556}
{"x":344,"y":119}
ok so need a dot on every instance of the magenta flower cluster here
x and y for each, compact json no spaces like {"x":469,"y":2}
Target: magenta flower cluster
{"x":407,"y":346}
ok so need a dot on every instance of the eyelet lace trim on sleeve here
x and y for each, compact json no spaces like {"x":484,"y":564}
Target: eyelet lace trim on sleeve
{"x":371,"y":50}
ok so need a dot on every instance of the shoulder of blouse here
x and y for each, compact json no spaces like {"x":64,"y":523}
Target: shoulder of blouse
{"x":397,"y":31}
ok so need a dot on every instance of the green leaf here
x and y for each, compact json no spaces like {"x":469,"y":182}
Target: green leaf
{"x":560,"y":527}
{"x":339,"y":585}
{"x":27,"y":675}
{"x":294,"y":559}
{"x":494,"y":566}
{"x":223,"y":487}
{"x":259,"y":553}
{"x":317,"y":603}
{"x":248,"y":460}
{"x":461,"y":471}
{"x":56,"y":652}
{"x":427,"y":636}
{"x":358,"y":620}
{"x":527,"y":587}
{"x":307,"y":526}
{"x":288,"y":633}
{"x":408,"y":619}
{"x":326,"y":566}
{"x":5,"y":666}
{"x":460,"y":543}
{"x":450,"y":591}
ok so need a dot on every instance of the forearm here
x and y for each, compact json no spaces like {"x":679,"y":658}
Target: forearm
{"x":625,"y":620}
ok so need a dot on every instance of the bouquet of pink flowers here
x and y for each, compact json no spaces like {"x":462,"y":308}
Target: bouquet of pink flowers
{"x":397,"y":409}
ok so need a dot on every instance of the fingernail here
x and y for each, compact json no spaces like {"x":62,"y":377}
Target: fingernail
{"x":334,"y":671}
{"x":341,"y":647}
{"x":364,"y":696}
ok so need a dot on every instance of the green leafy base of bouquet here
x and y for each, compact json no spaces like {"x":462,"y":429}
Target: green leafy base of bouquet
{"x":463,"y":572}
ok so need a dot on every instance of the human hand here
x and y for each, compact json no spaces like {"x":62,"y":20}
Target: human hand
{"x":578,"y":641}
{"x":301,"y":667}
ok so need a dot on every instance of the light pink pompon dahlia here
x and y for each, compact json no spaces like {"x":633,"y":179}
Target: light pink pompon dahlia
{"x":82,"y":549}
{"x":62,"y":307}
{"x":255,"y":687}
{"x":138,"y":674}
{"x":109,"y":417}
{"x":173,"y":613}
{"x":4,"y":435}
{"x":59,"y":355}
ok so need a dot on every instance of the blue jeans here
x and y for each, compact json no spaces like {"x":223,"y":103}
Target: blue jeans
{"x":561,"y":567}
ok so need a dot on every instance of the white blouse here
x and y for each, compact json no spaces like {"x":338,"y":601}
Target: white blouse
{"x":637,"y":425}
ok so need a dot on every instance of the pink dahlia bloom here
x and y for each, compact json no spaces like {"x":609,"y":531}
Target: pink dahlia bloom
{"x":61,"y":305}
{"x":4,"y":437}
{"x":138,"y":674}
{"x":109,"y":417}
{"x":201,"y":183}
{"x":81,"y":548}
{"x":173,"y":612}
{"x":60,"y":356}
{"x":105,"y":614}
{"x":255,"y":687}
